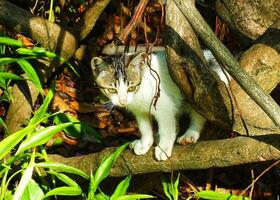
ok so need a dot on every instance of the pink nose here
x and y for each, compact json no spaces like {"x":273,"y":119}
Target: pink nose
{"x":123,"y":101}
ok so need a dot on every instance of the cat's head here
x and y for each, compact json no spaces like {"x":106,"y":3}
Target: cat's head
{"x":119,"y":77}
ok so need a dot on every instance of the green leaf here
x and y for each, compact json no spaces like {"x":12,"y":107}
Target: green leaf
{"x":175,"y":188}
{"x":121,"y":188}
{"x":2,"y":123}
{"x":30,"y":73}
{"x":11,"y":141}
{"x":212,"y":195}
{"x":64,"y":191}
{"x":166,"y":188}
{"x":64,"y":178}
{"x":100,"y":196}
{"x":78,"y":128}
{"x":12,"y":76}
{"x":33,"y":191}
{"x":40,"y":113}
{"x":104,"y":169}
{"x":41,"y":137}
{"x":135,"y":197}
{"x":25,"y":179}
{"x":10,"y":41}
{"x":7,"y":60}
{"x":62,"y":168}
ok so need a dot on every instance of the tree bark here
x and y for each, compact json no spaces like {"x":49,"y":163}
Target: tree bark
{"x":223,"y":55}
{"x":188,"y":69}
{"x":90,"y":18}
{"x":202,"y":155}
{"x":251,"y":18}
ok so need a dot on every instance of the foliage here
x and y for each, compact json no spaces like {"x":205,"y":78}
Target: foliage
{"x":171,"y":189}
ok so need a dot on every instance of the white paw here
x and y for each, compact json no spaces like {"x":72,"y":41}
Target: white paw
{"x":139,"y":147}
{"x":189,"y":137}
{"x":162,"y":154}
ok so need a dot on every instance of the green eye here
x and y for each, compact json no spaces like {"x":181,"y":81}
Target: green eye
{"x":131,"y":89}
{"x":112,"y":90}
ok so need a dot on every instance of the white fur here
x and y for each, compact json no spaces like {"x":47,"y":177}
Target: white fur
{"x":214,"y":66}
{"x":169,"y":105}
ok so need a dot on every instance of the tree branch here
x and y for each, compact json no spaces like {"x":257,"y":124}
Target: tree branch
{"x":202,"y":155}
{"x":90,"y":18}
{"x":223,"y":55}
{"x":134,"y":21}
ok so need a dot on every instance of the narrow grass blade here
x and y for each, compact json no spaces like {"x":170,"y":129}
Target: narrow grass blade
{"x":212,"y":195}
{"x":62,"y":168}
{"x":64,"y":191}
{"x":40,"y":113}
{"x":100,"y":196}
{"x":121,"y":188}
{"x":64,"y":178}
{"x":41,"y":137}
{"x":33,"y":191}
{"x":135,"y":197}
{"x":26,"y":177}
{"x":11,"y":76}
{"x":166,"y":188}
{"x":7,"y":60}
{"x":78,"y":127}
{"x":31,"y":73}
{"x":10,"y":41}
{"x":104,"y":169}
{"x":11,"y":141}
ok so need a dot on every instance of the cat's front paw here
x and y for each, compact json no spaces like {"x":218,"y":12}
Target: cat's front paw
{"x":139,"y":147}
{"x":188,"y":138}
{"x":162,"y":154}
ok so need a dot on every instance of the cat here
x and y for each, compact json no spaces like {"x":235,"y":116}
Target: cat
{"x":133,"y":83}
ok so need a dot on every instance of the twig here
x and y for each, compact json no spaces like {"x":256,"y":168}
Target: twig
{"x":259,"y":176}
{"x":134,"y":21}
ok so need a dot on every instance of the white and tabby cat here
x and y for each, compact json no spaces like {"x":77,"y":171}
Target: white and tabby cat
{"x":130,"y":83}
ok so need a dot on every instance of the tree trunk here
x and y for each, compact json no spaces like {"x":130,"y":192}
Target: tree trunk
{"x":223,"y":55}
{"x":188,"y":69}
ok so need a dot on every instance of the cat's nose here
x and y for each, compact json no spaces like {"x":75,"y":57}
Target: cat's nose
{"x":123,"y":101}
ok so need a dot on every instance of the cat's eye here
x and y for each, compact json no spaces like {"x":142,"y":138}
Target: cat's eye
{"x":131,"y":89}
{"x":112,"y":90}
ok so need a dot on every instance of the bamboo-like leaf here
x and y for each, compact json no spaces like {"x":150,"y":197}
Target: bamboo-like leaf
{"x":104,"y":169}
{"x":10,"y":41}
{"x":212,"y":195}
{"x":62,"y":168}
{"x":78,"y":127}
{"x":40,"y":113}
{"x":33,"y":191}
{"x":65,"y":179}
{"x":166,"y":188}
{"x":135,"y":197}
{"x":31,"y":73}
{"x":26,"y":177}
{"x":12,"y":76}
{"x":100,"y":196}
{"x":41,"y":137}
{"x":7,"y":60}
{"x":90,"y":187}
{"x":41,"y":52}
{"x":2,"y":123}
{"x":64,"y":191}
{"x":11,"y":141}
{"x":121,"y":188}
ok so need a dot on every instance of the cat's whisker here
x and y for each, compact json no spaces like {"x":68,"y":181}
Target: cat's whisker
{"x":109,"y":106}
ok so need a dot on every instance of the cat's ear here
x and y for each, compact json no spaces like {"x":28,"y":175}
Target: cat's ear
{"x":96,"y":65}
{"x":139,"y":60}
